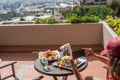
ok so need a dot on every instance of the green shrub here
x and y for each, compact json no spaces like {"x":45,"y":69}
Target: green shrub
{"x":118,"y":31}
{"x":114,"y":24}
{"x":75,"y":12}
{"x":38,"y":21}
{"x":74,"y":19}
{"x":101,"y":12}
{"x":84,"y":19}
{"x":95,"y":19}
{"x":48,"y":21}
{"x":89,"y":19}
{"x":22,"y":19}
{"x":109,"y":18}
{"x":44,"y":21}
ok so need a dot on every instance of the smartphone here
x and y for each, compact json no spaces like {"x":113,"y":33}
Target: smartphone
{"x":79,"y":53}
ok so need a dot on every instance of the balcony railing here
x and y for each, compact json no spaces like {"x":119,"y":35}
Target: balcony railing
{"x":38,"y":37}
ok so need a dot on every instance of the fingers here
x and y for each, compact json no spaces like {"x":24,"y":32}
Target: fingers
{"x":87,"y":50}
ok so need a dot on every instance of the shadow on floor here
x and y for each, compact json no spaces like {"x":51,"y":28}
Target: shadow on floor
{"x":18,"y":56}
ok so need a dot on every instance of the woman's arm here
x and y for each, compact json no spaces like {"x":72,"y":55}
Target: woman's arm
{"x":101,"y":58}
{"x":91,"y":54}
{"x":75,"y":71}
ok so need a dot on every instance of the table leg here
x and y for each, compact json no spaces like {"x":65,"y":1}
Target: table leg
{"x":64,"y":78}
{"x":55,"y":78}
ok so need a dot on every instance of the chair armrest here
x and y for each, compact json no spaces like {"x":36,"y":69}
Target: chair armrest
{"x":7,"y":64}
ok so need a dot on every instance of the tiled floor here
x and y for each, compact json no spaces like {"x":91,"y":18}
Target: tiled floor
{"x":25,"y":67}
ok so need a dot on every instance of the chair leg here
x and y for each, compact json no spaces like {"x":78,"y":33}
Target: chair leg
{"x":13,"y":70}
{"x":38,"y":78}
{"x":64,"y":78}
{"x":55,"y":78}
{"x":0,"y":76}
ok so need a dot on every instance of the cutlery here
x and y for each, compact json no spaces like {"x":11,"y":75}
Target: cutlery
{"x":44,"y":64}
{"x":46,"y":68}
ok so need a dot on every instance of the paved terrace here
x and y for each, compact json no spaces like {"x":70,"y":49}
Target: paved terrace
{"x":21,"y":35}
{"x":25,"y":67}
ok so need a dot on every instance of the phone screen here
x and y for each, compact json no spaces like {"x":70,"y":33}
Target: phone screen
{"x":78,"y":54}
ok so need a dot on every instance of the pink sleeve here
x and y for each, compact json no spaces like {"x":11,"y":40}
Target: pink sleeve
{"x":110,"y":79}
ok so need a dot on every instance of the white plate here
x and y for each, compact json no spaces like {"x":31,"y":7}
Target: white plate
{"x":80,"y":60}
{"x":56,"y":51}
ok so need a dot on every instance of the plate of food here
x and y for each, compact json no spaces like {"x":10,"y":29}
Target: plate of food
{"x":49,"y":55}
{"x":64,"y":63}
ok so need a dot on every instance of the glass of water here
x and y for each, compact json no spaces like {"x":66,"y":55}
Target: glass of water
{"x":44,"y":62}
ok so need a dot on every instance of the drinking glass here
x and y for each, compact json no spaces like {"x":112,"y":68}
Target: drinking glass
{"x":44,"y":62}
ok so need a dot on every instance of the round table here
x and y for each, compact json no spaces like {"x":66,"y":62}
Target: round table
{"x":56,"y":71}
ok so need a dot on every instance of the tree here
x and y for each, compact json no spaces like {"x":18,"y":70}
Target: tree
{"x":22,"y":19}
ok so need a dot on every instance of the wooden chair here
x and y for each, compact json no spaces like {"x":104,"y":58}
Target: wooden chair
{"x":12,"y":67}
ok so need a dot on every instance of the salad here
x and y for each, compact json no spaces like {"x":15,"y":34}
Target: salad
{"x":49,"y":55}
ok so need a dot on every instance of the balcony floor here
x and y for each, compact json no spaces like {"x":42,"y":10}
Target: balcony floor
{"x":25,"y":67}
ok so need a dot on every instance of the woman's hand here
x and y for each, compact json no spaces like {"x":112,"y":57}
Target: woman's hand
{"x":89,"y":52}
